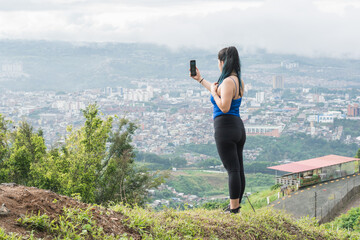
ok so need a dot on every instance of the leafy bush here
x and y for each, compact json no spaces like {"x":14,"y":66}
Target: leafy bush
{"x":348,"y":221}
{"x":96,"y":161}
{"x":276,"y":186}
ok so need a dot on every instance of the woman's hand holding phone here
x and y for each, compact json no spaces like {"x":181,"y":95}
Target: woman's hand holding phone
{"x":197,"y":77}
{"x":194,"y":71}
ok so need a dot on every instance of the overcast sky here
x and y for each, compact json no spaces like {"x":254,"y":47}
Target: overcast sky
{"x":305,"y":27}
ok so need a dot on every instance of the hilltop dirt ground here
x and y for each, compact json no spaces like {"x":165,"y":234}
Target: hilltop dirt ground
{"x":20,"y":200}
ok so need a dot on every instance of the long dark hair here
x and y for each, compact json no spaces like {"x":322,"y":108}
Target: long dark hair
{"x":231,"y":59}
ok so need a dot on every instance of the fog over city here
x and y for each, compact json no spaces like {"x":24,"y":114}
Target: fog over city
{"x":322,"y":28}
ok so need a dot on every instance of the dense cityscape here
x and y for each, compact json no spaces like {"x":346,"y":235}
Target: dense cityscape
{"x":181,"y":114}
{"x":107,"y":133}
{"x":287,"y":96}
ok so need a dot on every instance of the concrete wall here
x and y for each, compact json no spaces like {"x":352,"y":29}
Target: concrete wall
{"x":347,"y":198}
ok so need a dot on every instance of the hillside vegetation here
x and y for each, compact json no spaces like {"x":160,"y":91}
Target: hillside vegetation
{"x":349,"y":221}
{"x":213,"y":224}
{"x":47,"y":215}
{"x":294,"y":147}
{"x":95,"y":162}
{"x":206,"y":183}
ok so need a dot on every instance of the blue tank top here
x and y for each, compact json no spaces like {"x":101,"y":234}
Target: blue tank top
{"x":234,"y":107}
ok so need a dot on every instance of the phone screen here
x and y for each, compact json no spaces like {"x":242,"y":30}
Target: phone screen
{"x":193,"y":67}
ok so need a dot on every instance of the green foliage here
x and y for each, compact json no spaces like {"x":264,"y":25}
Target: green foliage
{"x":213,"y":224}
{"x":178,"y":162}
{"x":156,"y":162}
{"x":96,"y":162}
{"x":258,"y":182}
{"x":73,"y":223}
{"x":350,"y":127}
{"x":85,"y":149}
{"x":10,"y":236}
{"x":121,"y":179}
{"x":164,"y":194}
{"x":215,"y":204}
{"x":276,"y":186}
{"x":4,"y":125}
{"x":314,"y":179}
{"x":295,"y":147}
{"x":202,"y":183}
{"x":27,"y":149}
{"x":4,"y":147}
{"x":348,"y":221}
{"x":209,"y":162}
{"x":190,"y":185}
{"x":207,"y":149}
{"x":36,"y":222}
{"x":258,"y":167}
{"x":259,"y":199}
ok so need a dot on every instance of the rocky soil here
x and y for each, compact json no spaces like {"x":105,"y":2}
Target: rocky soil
{"x":16,"y":201}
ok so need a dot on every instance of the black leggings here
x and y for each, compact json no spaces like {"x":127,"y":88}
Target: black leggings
{"x":230,"y":138}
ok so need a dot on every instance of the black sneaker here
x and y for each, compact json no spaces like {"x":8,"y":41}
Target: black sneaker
{"x":229,"y":210}
{"x":236,"y":210}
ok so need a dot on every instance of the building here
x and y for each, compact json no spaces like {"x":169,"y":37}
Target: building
{"x":260,"y":97}
{"x":353,"y":111}
{"x":316,"y":170}
{"x":278,"y":82}
{"x":327,"y":117}
{"x":289,"y":64}
{"x":272,"y":131}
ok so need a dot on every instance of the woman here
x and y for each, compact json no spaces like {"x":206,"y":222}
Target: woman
{"x":226,"y":95}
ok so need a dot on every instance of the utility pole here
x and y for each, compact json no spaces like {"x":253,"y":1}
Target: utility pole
{"x":315,"y":204}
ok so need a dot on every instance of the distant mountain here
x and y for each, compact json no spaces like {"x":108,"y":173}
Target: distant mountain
{"x":44,"y":65}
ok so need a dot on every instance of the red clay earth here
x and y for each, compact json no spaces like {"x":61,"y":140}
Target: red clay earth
{"x":20,"y":200}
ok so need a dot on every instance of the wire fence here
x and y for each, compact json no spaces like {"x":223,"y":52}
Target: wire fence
{"x":323,"y":200}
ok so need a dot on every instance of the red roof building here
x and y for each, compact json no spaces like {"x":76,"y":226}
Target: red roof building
{"x":315,"y":170}
{"x":314,"y":163}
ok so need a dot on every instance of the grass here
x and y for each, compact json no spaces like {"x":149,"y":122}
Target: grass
{"x":204,"y":183}
{"x":213,"y":224}
{"x":9,"y":236}
{"x":259,"y":199}
{"x":266,"y":223}
{"x":73,"y":223}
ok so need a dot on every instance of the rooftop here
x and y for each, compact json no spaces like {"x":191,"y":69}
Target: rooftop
{"x":314,"y":163}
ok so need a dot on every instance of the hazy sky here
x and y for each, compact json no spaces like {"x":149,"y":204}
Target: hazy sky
{"x":306,"y":27}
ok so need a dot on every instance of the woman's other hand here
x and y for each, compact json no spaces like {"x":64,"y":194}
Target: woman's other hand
{"x":197,"y":77}
{"x":213,"y":88}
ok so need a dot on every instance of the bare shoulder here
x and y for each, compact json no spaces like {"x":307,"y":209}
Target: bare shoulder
{"x":229,"y":80}
{"x":227,"y":83}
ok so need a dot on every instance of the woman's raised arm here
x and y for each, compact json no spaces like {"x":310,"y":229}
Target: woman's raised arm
{"x":201,"y":80}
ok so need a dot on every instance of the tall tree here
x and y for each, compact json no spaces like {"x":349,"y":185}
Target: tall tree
{"x":120,"y":179}
{"x":95,"y":162}
{"x":27,"y":149}
{"x":86,"y":149}
{"x":4,"y":147}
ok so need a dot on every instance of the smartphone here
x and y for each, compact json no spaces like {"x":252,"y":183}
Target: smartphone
{"x":193,"y":67}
